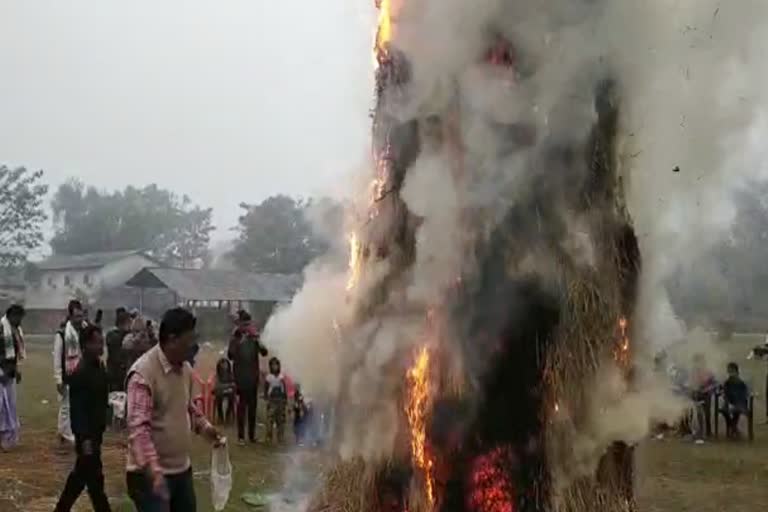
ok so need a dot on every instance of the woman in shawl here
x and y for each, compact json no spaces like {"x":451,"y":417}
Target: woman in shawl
{"x":11,"y":352}
{"x":139,"y":340}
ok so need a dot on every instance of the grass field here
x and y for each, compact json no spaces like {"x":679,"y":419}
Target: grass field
{"x":674,"y":475}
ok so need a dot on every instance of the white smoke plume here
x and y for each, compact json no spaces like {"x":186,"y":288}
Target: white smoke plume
{"x":692,"y":88}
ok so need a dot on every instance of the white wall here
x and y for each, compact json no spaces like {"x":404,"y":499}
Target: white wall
{"x":56,"y":287}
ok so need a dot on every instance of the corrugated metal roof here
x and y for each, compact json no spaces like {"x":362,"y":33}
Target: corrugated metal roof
{"x":193,"y":284}
{"x":88,"y":260}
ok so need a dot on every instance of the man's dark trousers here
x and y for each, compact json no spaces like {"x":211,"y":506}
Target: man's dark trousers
{"x":246,"y":406}
{"x":181,"y":490}
{"x":88,"y":472}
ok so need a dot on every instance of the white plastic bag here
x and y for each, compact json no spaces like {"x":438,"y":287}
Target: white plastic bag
{"x":117,"y":403}
{"x":221,"y":476}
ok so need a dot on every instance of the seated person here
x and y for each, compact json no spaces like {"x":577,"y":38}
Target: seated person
{"x":679,"y":379}
{"x":736,"y":400}
{"x":702,"y":384}
{"x":224,"y":389}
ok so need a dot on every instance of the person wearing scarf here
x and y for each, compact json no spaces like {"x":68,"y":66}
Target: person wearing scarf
{"x":66,"y":357}
{"x":11,"y":352}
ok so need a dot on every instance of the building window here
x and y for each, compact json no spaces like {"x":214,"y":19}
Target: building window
{"x":50,"y":282}
{"x":87,"y":280}
{"x":67,"y":281}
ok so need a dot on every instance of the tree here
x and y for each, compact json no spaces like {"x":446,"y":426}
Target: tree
{"x":21,"y":214}
{"x":170,"y":228}
{"x":275,"y":236}
{"x":188,"y":243}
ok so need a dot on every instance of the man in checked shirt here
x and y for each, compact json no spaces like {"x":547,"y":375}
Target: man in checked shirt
{"x":161,"y":418}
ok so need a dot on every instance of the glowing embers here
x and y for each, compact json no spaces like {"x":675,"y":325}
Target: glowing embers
{"x":416,"y":410}
{"x":500,"y":53}
{"x":490,"y":487}
{"x":621,"y":352}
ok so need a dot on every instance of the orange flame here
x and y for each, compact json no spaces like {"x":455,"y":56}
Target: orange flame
{"x":384,"y":33}
{"x":354,"y":262}
{"x":416,"y":411}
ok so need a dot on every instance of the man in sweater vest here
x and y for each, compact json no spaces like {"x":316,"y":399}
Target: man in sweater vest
{"x":161,"y":418}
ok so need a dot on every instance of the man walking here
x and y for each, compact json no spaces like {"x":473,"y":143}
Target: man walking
{"x":161,"y":416}
{"x":66,"y":357}
{"x":88,"y":391}
{"x":116,"y":356}
{"x":244,"y":350}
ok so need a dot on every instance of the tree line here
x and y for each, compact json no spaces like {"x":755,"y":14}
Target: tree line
{"x":274,"y":236}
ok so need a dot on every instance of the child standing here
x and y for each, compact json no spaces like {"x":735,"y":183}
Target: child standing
{"x":88,"y":392}
{"x":276,"y":394}
{"x":224,"y":389}
{"x":300,"y":416}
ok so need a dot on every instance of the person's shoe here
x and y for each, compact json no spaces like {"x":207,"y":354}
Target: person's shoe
{"x":699,"y":441}
{"x":241,"y":442}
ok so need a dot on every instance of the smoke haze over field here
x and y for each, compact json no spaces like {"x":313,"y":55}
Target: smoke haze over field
{"x":693,"y":107}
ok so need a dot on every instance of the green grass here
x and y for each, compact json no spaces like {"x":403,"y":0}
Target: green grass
{"x":673,"y":475}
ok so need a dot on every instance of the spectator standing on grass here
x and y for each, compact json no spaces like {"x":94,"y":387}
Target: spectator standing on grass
{"x":11,"y":353}
{"x":161,"y":418}
{"x":117,"y":362}
{"x":138,"y":341}
{"x":736,"y":400}
{"x":66,"y":357}
{"x":224,"y":389}
{"x":276,"y":394}
{"x":762,"y":353}
{"x":88,"y":392}
{"x":244,"y":350}
{"x":301,"y":416}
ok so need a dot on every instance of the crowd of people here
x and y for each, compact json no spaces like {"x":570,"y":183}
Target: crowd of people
{"x":155,"y":373}
{"x":239,"y":383}
{"x":152,"y":369}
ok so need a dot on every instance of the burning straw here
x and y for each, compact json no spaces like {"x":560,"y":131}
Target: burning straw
{"x":488,"y":341}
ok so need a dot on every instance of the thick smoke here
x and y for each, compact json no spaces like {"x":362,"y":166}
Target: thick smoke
{"x":697,"y":105}
{"x":691,"y":87}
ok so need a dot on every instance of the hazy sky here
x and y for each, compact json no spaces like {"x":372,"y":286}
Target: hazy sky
{"x":225,"y":100}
